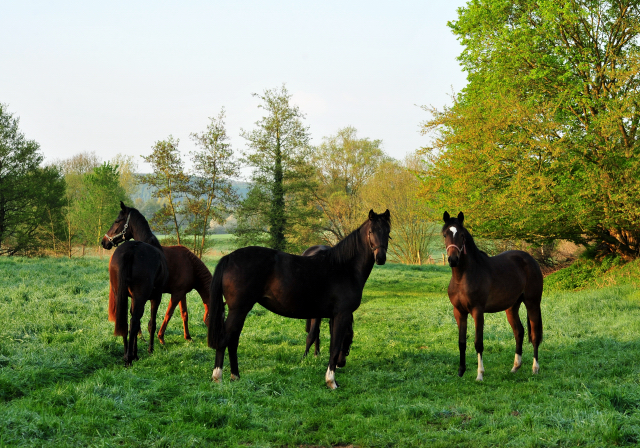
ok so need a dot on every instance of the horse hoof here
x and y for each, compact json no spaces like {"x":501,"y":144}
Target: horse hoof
{"x":536,"y":367}
{"x":515,"y":369}
{"x":330,"y":379}
{"x":161,"y":339}
{"x":461,"y":372}
{"x":234,"y":377}
{"x":216,"y":376}
{"x":479,"y":378}
{"x":332,"y":385}
{"x":188,"y":338}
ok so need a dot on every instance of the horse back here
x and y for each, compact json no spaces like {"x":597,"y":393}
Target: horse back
{"x":289,"y":285}
{"x":515,"y":273}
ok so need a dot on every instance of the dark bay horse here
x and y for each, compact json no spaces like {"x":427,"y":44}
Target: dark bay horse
{"x":137,"y":269}
{"x":313,"y":325}
{"x":328,"y":284}
{"x":186,"y":273}
{"x":482,"y":284}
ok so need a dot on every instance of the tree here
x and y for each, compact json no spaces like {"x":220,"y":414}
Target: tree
{"x":210,"y":193}
{"x":168,"y":181}
{"x":344,"y":163}
{"x":278,"y":210}
{"x":74,"y":170}
{"x":101,"y":201}
{"x":396,"y":186}
{"x":543,"y":141}
{"x":29,"y":194}
{"x":127,"y":168}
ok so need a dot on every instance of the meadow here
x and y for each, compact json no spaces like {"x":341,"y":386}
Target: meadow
{"x":62,"y":380}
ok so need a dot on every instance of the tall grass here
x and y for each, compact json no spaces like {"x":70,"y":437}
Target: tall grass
{"x":62,"y":380}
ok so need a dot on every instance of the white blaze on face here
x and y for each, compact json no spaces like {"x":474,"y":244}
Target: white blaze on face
{"x":480,"y":367}
{"x":217,"y":374}
{"x":330,"y":378}
{"x":453,"y":230}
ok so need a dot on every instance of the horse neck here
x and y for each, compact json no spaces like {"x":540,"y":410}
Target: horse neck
{"x":468,"y":262}
{"x":143,"y":233}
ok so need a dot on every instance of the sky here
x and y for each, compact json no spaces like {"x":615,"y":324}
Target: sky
{"x":115,"y":77}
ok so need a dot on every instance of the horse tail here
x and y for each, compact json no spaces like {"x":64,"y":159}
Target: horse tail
{"x":216,"y":332}
{"x":122,"y":293}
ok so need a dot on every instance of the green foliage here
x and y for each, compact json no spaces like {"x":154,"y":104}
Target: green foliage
{"x":169,"y":183}
{"x":62,"y":382}
{"x":586,"y":272}
{"x":344,"y":163}
{"x":30,"y":195}
{"x":542,"y":144}
{"x":210,"y":193}
{"x":278,"y":211}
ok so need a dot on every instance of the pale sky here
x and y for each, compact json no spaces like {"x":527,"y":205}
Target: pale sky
{"x":115,"y":77}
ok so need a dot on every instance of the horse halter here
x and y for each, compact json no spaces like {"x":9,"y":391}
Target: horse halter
{"x":121,"y":234}
{"x":373,"y":249}
{"x":461,"y":250}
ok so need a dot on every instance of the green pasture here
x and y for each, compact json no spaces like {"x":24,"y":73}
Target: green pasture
{"x":62,"y":380}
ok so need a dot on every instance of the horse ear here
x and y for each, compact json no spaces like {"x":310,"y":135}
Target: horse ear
{"x":372,"y":215}
{"x":386,"y":215}
{"x":461,"y":217}
{"x":446,"y":216}
{"x":122,"y":206}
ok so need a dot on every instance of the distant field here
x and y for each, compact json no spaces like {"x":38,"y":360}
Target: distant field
{"x":62,"y":380}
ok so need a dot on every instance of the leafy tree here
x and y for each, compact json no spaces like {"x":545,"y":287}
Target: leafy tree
{"x":278,"y":210}
{"x":29,"y":195}
{"x":74,"y":170}
{"x":101,"y":201}
{"x":210,"y":193}
{"x":543,"y":141}
{"x":344,"y":163}
{"x":127,"y":168}
{"x":169,"y":183}
{"x":396,"y":186}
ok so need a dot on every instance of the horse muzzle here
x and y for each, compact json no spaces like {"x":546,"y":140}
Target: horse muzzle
{"x":380,"y":255}
{"x":106,"y":243}
{"x":453,"y":261}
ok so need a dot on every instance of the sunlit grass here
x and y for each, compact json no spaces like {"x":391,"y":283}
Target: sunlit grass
{"x":62,"y":380}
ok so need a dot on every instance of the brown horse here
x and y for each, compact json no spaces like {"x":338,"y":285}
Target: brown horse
{"x":313,"y":325}
{"x":328,"y":284}
{"x":482,"y":284}
{"x":137,"y":269}
{"x":186,"y":273}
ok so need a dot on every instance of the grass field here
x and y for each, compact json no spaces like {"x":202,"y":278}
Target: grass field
{"x":62,"y":380}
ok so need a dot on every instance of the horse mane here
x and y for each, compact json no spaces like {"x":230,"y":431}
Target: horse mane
{"x":345,"y":250}
{"x":200,"y":270}
{"x":143,"y":230}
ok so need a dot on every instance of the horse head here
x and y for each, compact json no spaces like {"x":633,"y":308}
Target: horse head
{"x":378,"y":235}
{"x":120,"y":230}
{"x":454,"y":233}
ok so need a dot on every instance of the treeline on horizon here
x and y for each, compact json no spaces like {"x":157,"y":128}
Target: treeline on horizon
{"x":540,"y":146}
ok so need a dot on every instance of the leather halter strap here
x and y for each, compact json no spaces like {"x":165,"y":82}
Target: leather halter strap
{"x":461,"y":250}
{"x":121,"y":234}
{"x":373,"y":249}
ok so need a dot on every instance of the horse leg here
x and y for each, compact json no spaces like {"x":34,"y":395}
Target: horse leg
{"x":346,"y":344}
{"x":338,"y":332}
{"x":185,"y":317}
{"x":173,"y":303}
{"x":134,"y":327}
{"x":518,"y":332}
{"x":478,"y":317}
{"x":155,"y":304}
{"x":233,"y":327}
{"x":461,"y":319}
{"x":313,"y":335}
{"x":534,"y":324}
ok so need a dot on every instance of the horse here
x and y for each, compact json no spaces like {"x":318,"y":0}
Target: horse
{"x":186,"y":273}
{"x":138,"y":269}
{"x":313,"y":325}
{"x":483,"y":284}
{"x":327,"y":284}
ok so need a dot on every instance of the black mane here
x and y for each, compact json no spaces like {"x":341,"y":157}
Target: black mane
{"x":143,"y":231}
{"x":346,"y":249}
